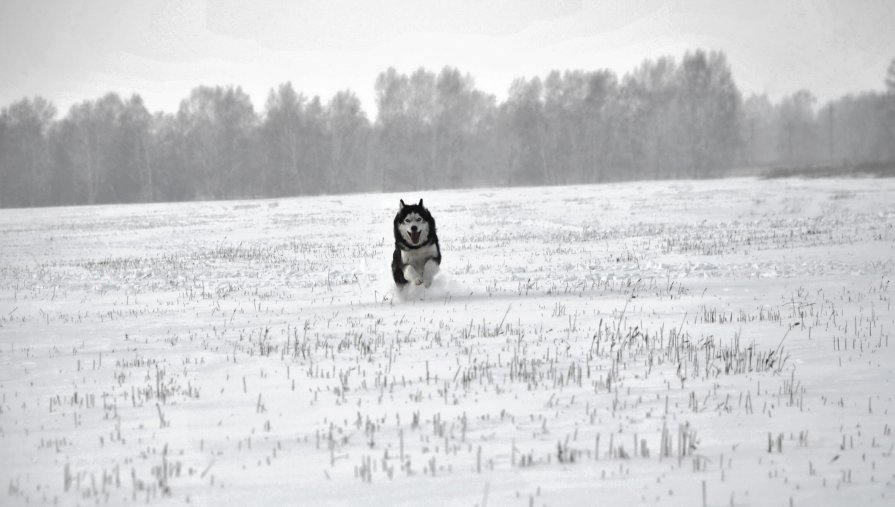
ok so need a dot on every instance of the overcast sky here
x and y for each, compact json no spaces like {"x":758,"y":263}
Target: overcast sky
{"x":71,"y":50}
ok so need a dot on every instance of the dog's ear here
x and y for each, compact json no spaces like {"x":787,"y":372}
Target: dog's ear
{"x":402,"y":205}
{"x":421,"y":203}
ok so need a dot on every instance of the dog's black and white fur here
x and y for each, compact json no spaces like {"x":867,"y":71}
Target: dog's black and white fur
{"x":417,"y":255}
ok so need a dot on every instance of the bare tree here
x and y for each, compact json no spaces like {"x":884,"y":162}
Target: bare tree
{"x":527,"y":125}
{"x":134,"y":166}
{"x":348,"y":129}
{"x":24,"y":153}
{"x":797,"y":133}
{"x":282,"y":131}
{"x":218,"y":128}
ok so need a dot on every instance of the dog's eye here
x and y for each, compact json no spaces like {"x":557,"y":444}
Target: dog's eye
{"x":419,"y":219}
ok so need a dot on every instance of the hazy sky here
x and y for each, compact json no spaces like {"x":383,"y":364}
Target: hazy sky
{"x":70,"y":50}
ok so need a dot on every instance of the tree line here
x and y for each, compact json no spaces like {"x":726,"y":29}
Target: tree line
{"x":665,"y":119}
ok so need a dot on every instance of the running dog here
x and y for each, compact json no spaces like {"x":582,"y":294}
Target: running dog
{"x":417,"y":256}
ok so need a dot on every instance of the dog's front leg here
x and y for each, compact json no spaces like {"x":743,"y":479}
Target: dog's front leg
{"x":429,"y":272}
{"x":412,"y":276}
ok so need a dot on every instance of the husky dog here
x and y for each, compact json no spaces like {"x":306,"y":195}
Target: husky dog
{"x":417,"y":255}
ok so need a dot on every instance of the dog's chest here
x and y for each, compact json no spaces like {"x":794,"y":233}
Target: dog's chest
{"x":417,"y":258}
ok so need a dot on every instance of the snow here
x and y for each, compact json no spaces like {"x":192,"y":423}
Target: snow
{"x":257,"y":352}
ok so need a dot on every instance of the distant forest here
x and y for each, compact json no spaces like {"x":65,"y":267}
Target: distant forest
{"x":665,"y":119}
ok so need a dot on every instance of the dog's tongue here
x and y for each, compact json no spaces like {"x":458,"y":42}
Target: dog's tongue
{"x":415,"y":236}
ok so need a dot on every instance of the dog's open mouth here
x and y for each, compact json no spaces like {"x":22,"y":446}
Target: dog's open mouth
{"x":414,"y":237}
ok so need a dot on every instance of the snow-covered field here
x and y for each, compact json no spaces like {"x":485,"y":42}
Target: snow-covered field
{"x":665,"y":343}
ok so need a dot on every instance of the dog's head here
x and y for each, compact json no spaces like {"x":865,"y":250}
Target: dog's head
{"x":414,"y":225}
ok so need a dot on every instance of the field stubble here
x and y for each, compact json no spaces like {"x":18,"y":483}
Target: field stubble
{"x":685,"y":343}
